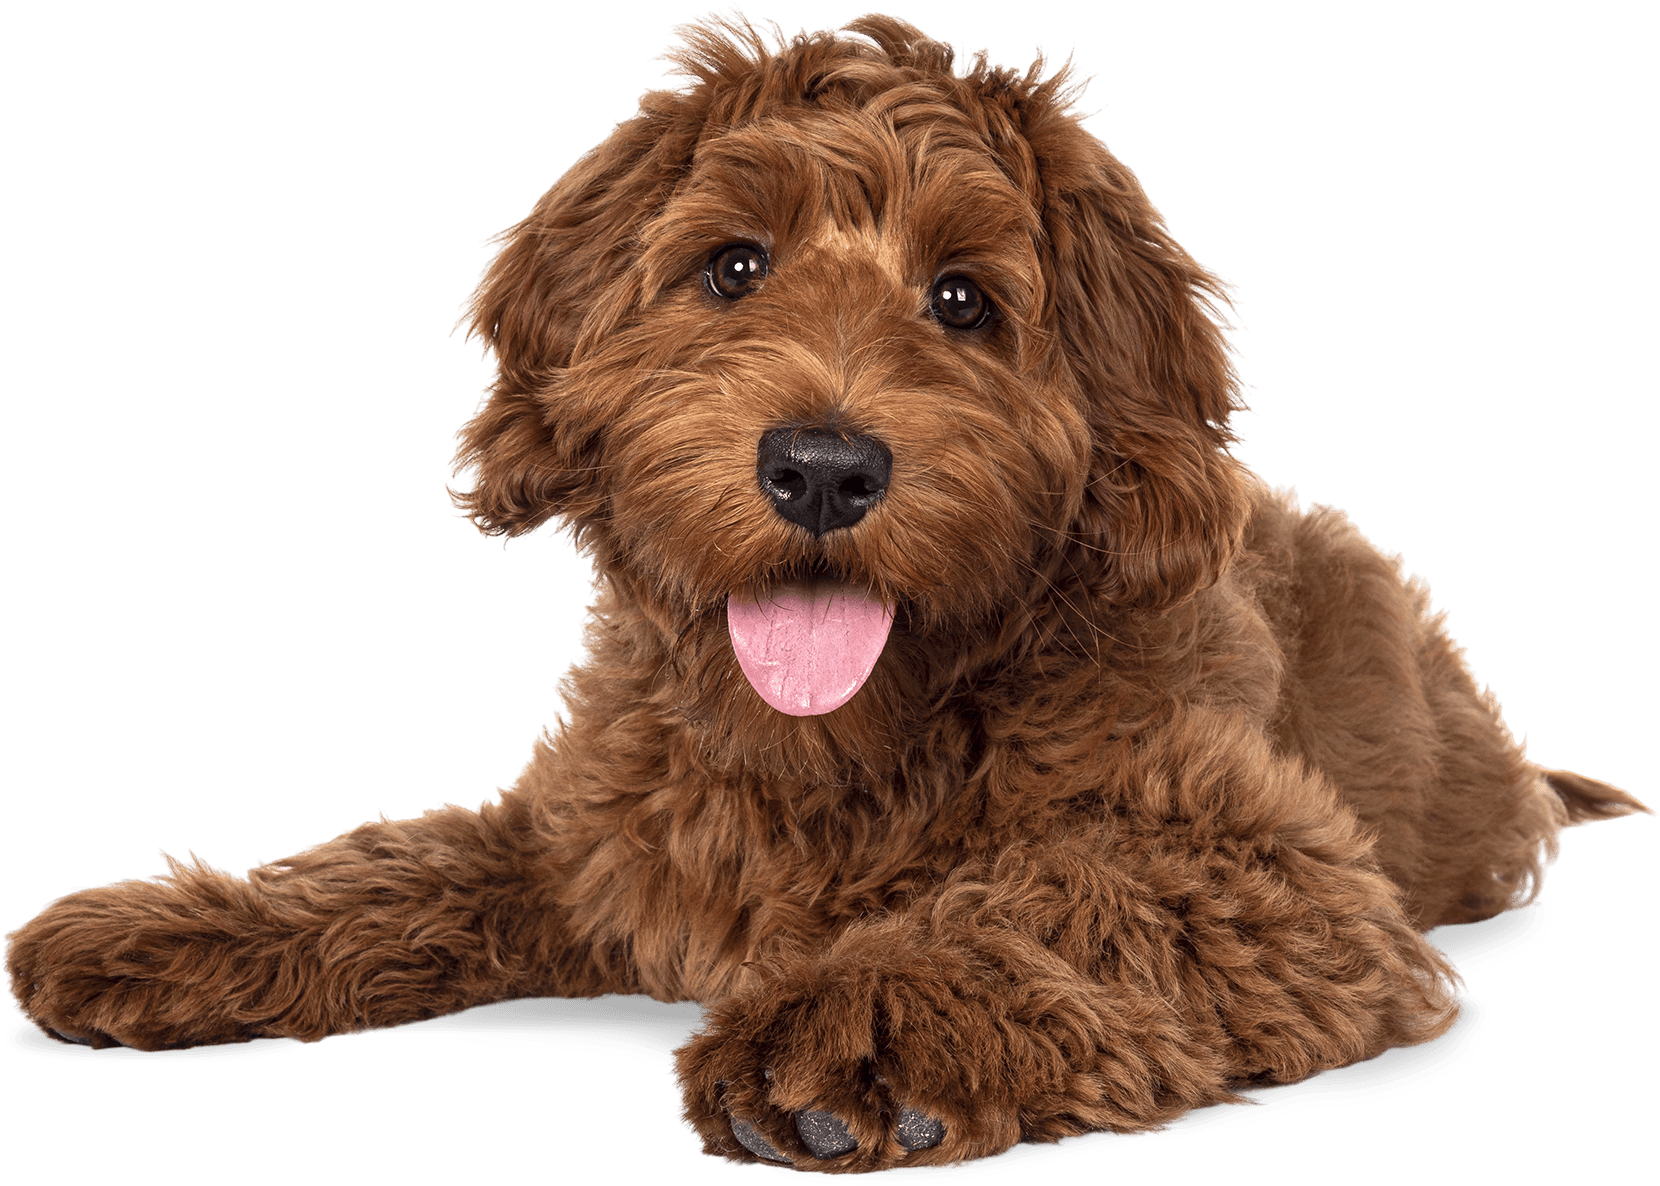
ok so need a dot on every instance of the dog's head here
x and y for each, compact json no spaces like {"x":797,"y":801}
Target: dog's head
{"x":837,"y":329}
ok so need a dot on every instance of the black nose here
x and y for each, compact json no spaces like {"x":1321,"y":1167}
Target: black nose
{"x":822,"y":480}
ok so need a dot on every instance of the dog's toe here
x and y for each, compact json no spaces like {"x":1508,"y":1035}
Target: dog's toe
{"x":750,"y":1138}
{"x":918,"y":1130}
{"x":824,"y":1134}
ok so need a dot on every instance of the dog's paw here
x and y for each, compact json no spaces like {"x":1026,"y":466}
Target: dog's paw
{"x":119,"y":967}
{"x":848,"y":1069}
{"x":817,"y":1112}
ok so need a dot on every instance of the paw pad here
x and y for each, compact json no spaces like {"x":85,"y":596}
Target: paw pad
{"x":750,"y":1138}
{"x":918,"y":1130}
{"x":824,"y":1134}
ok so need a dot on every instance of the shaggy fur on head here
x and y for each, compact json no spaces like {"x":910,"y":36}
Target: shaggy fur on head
{"x":1150,"y":794}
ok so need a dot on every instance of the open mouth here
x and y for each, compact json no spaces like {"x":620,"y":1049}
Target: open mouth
{"x":810,"y":643}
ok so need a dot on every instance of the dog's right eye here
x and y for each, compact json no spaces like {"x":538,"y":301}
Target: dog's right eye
{"x":736,"y":270}
{"x":959,"y":303}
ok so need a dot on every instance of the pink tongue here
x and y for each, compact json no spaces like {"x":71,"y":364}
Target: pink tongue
{"x":810,"y":645}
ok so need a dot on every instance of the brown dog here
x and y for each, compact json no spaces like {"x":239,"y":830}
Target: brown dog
{"x":963,"y":725}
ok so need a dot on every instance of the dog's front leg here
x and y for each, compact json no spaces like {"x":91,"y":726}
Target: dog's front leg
{"x":1205,"y":916}
{"x":392,"y":922}
{"x":915,"y":1041}
{"x":908,"y":1044}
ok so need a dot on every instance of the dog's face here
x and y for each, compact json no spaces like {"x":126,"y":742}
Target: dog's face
{"x":839,"y":331}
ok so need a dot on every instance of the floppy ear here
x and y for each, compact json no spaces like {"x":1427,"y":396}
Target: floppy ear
{"x":1165,"y":504}
{"x":561,"y":281}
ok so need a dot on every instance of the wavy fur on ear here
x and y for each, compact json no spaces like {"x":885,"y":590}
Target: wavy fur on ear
{"x":561,"y":282}
{"x":1166,"y":504}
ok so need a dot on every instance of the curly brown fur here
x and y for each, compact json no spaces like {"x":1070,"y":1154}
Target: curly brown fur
{"x":1150,"y":794}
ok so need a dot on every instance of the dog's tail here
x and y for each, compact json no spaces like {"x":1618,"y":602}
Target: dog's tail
{"x":1587,"y":799}
{"x":1574,"y":801}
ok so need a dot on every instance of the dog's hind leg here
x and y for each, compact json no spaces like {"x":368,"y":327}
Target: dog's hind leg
{"x":1378,"y":698}
{"x":1493,"y":823}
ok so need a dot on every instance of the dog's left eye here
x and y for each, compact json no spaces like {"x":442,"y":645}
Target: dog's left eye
{"x":736,"y":271}
{"x":959,"y":303}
